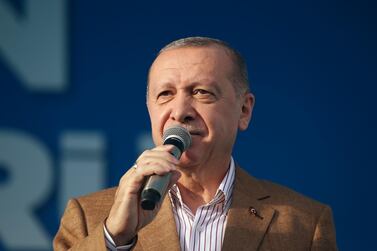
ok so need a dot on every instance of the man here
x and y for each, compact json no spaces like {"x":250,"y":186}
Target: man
{"x":200,"y":84}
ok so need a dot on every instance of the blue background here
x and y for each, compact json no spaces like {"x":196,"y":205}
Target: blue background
{"x":312,"y":66}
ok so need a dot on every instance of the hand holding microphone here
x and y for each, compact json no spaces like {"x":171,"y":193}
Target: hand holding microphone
{"x":156,"y":185}
{"x":136,"y":206}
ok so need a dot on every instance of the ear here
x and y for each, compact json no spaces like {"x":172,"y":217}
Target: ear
{"x":248,"y":101}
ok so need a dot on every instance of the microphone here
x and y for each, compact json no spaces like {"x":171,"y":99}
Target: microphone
{"x":156,"y":185}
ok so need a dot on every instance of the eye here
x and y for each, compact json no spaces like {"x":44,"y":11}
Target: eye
{"x":164,"y":94}
{"x":201,"y":92}
{"x":204,"y":95}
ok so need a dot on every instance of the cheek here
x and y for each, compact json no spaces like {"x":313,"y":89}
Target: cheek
{"x":216,"y":122}
{"x":158,"y":118}
{"x":224,"y":121}
{"x":155,"y":125}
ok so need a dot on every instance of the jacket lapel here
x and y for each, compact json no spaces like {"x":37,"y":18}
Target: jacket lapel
{"x":247,"y":224}
{"x":161,"y":233}
{"x":248,"y":218}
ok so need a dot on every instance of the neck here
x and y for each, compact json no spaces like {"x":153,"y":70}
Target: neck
{"x":198,"y":185}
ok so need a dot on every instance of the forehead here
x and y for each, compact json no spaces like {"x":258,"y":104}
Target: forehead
{"x":190,"y":63}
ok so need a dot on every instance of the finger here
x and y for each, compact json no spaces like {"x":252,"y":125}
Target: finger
{"x":164,"y":148}
{"x":161,"y":148}
{"x":134,"y":178}
{"x":155,"y":161}
{"x":159,"y":167}
{"x":157,"y":154}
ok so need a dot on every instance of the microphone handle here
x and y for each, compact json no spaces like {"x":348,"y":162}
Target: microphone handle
{"x":156,"y":186}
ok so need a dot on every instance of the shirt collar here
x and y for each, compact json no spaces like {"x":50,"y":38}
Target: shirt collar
{"x":226,"y":185}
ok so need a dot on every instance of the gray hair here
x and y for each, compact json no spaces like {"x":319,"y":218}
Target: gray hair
{"x":239,"y":77}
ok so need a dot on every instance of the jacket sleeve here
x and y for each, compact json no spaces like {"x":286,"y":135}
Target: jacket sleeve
{"x":73,"y":232}
{"x":324,"y":235}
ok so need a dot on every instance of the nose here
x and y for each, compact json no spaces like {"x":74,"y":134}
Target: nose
{"x":182,"y":110}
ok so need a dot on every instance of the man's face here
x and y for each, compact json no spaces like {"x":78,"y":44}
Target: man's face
{"x":192,"y":87}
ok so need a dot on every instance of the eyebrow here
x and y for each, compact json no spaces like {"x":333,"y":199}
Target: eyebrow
{"x":211,"y":84}
{"x":162,"y":86}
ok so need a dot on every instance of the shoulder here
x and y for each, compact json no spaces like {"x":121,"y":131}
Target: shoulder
{"x":84,"y":216}
{"x":88,"y":210}
{"x":93,"y":204}
{"x":280,"y":197}
{"x":97,"y":200}
{"x":297,"y":220}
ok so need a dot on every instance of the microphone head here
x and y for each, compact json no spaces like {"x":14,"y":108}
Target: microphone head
{"x":177,"y":133}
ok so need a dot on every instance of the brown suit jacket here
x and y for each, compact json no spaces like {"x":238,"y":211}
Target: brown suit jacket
{"x":282,"y":220}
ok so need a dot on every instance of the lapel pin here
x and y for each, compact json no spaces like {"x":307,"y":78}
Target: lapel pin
{"x":254,"y":212}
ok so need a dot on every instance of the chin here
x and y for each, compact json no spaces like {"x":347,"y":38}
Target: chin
{"x":189,"y":159}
